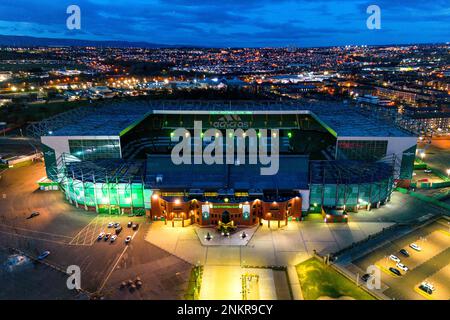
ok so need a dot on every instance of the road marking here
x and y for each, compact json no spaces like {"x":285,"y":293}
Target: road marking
{"x":78,"y":238}
{"x":115,"y":265}
{"x":34,"y":238}
{"x":35,"y":231}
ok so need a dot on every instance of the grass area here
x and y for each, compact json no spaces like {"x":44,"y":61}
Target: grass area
{"x":194,"y":285}
{"x":319,"y":280}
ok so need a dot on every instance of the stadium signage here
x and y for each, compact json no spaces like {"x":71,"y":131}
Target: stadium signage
{"x":258,"y":147}
{"x":230,"y":121}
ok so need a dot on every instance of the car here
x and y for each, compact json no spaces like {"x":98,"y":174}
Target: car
{"x":402,"y":267}
{"x":111,"y":224}
{"x":394,"y":258}
{"x":395,"y":271}
{"x":118,"y":230}
{"x":107,"y":236}
{"x":415,"y":247}
{"x":100,"y":236}
{"x":113,"y":238}
{"x":33,"y":214}
{"x":427,"y":171}
{"x":43,"y":255}
{"x":366,"y":277}
{"x":130,"y":223}
{"x":135,"y":226}
{"x":116,"y":225}
{"x":404,"y":252}
{"x":128,"y":239}
{"x":425,"y":289}
{"x":428,"y":285}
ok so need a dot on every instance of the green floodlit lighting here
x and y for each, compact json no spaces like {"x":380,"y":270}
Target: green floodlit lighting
{"x":202,"y":134}
{"x":172,"y":134}
{"x":289,"y":135}
{"x":259,"y":134}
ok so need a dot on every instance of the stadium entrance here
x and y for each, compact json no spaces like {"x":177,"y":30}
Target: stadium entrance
{"x":213,"y":213}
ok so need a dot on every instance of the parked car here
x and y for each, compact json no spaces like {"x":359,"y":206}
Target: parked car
{"x":128,"y":239}
{"x":427,"y":171}
{"x":395,"y":271}
{"x":402,"y":267}
{"x":135,"y":226}
{"x":113,"y":238}
{"x":107,"y":236}
{"x":43,"y":255}
{"x":33,"y":214}
{"x":425,"y":289}
{"x":366,"y":277}
{"x":118,"y":230}
{"x":428,"y":285}
{"x":111,"y":224}
{"x":394,"y":258}
{"x":100,"y":236}
{"x":404,"y":252}
{"x":130,"y":223}
{"x":415,"y":247}
{"x":116,"y":225}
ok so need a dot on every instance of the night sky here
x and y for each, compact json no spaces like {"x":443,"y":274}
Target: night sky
{"x":237,"y":23}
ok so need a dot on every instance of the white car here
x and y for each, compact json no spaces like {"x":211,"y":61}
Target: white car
{"x":427,"y":171}
{"x":111,"y":224}
{"x":415,"y":247}
{"x":128,"y":239}
{"x":113,"y":238}
{"x":394,"y":258}
{"x":100,"y":236}
{"x":402,"y":267}
{"x":428,"y":285}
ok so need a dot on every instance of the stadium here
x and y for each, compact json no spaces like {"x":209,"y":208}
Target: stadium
{"x":116,"y":158}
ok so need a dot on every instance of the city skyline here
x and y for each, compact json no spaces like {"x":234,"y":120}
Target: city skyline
{"x":232,"y":23}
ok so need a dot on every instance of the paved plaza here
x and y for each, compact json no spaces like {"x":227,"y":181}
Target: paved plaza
{"x":286,"y":246}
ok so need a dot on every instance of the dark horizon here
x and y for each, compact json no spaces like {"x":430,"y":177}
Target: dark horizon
{"x":24,"y":40}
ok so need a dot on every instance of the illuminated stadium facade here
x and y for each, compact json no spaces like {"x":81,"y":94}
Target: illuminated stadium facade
{"x":115,"y":158}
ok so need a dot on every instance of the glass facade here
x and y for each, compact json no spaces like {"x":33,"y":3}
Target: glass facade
{"x":338,"y":195}
{"x":367,"y":150}
{"x":107,"y":197}
{"x":95,"y":149}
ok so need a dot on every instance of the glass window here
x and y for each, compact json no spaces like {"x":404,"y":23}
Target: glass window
{"x":95,"y":149}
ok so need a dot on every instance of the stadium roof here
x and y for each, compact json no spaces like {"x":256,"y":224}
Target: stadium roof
{"x":116,"y":118}
{"x":292,"y":174}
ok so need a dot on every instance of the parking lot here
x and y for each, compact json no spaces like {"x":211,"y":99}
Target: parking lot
{"x":430,"y":264}
{"x":70,"y":234}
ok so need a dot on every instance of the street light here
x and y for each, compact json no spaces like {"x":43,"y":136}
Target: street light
{"x":448,"y":172}
{"x":422,"y":155}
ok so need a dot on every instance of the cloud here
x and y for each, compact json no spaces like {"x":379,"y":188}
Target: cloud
{"x":230,"y":22}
